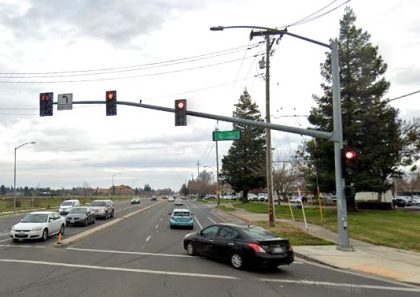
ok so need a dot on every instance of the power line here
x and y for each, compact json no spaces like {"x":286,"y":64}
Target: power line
{"x":313,"y":16}
{"x":403,"y":96}
{"x":125,"y":77}
{"x":127,"y":68}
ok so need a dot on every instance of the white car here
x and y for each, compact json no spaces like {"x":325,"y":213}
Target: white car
{"x":38,"y":225}
{"x":171,"y":199}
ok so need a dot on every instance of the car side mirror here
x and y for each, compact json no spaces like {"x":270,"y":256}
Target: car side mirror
{"x":50,"y":219}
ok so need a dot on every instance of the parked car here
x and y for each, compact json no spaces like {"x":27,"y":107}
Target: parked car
{"x":83,"y":215}
{"x":135,"y":200}
{"x":252,"y":197}
{"x":262,"y":197}
{"x":242,"y":246}
{"x":38,"y":225}
{"x":178,"y":202}
{"x":171,"y":199}
{"x":103,"y":208}
{"x":66,"y":205}
{"x":153,"y":198}
{"x":181,"y":217}
{"x":400,"y":201}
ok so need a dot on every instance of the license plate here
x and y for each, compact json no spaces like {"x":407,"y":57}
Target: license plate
{"x":20,"y":235}
{"x":278,"y":250}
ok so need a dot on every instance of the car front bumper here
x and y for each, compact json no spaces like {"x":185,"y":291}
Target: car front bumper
{"x":26,"y":234}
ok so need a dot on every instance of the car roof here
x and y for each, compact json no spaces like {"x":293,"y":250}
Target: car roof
{"x":42,"y":212}
{"x":181,"y":209}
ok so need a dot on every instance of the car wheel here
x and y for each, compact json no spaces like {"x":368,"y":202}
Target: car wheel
{"x":191,"y":249}
{"x":112,"y":214}
{"x":86,"y":222}
{"x":62,"y":228}
{"x":237,"y":261}
{"x":45,"y":234}
{"x":93,"y":220}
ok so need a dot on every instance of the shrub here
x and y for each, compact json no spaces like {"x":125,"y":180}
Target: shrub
{"x":374,"y":205}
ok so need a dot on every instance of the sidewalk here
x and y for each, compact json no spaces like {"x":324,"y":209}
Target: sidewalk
{"x":399,"y":265}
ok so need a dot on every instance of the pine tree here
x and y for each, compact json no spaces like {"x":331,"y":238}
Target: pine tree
{"x":370,"y":125}
{"x":243,"y":168}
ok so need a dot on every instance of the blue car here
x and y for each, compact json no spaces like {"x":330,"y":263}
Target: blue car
{"x":181,"y":217}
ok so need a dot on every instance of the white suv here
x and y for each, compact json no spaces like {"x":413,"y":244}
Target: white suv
{"x":67,"y":205}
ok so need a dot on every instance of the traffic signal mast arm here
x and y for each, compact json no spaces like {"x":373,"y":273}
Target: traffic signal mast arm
{"x":307,"y":132}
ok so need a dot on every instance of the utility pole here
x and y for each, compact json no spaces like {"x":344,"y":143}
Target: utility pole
{"x":271,"y":219}
{"x":217,"y":175}
{"x":198,"y":170}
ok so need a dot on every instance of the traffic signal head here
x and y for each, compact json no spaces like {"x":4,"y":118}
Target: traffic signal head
{"x":348,"y":162}
{"x":111,"y":103}
{"x":181,"y":112}
{"x":46,"y":104}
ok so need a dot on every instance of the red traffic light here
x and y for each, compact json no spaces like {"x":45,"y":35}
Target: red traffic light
{"x":110,"y":95}
{"x":350,"y":155}
{"x":180,"y":104}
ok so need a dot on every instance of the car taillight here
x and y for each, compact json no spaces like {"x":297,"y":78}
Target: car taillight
{"x":257,"y":248}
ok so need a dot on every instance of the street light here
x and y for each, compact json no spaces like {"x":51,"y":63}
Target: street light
{"x":14,"y":176}
{"x":217,"y":184}
{"x":343,"y":241}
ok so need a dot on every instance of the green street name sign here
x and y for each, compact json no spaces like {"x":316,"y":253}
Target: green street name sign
{"x":226,"y":135}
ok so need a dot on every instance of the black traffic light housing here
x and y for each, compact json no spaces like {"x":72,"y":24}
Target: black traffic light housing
{"x":46,"y":101}
{"x":111,"y":103}
{"x":181,"y":112}
{"x":348,"y":162}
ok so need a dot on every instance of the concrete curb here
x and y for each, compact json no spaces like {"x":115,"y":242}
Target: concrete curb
{"x":87,"y":233}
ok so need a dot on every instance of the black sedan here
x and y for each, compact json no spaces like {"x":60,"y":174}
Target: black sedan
{"x":242,"y":246}
{"x":82,"y":215}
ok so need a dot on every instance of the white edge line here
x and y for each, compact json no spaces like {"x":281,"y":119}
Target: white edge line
{"x":120,"y":269}
{"x":128,"y":253}
{"x":148,"y":238}
{"x":339,"y":285}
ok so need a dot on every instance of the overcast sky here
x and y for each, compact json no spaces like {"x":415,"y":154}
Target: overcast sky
{"x":158,"y":51}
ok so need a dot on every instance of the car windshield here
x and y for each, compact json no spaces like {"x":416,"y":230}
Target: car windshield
{"x":98,"y":203}
{"x":258,"y":233}
{"x":66,"y":203}
{"x":78,"y":210}
{"x":182,"y":213}
{"x":35,"y":218}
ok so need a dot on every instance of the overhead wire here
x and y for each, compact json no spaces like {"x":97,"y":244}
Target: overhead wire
{"x":313,"y":16}
{"x":133,"y":67}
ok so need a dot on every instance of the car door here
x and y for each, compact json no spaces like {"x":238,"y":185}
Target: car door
{"x":206,"y":241}
{"x":225,"y":242}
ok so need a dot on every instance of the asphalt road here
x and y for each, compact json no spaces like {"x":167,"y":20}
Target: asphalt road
{"x":142,"y":256}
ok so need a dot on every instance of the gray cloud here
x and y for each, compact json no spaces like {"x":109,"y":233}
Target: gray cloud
{"x":113,"y":21}
{"x":407,"y":76}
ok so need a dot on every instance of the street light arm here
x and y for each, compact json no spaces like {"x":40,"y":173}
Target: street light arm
{"x":32,"y":142}
{"x":269,"y":31}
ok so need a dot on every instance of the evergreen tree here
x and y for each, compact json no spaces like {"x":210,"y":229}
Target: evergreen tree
{"x":370,"y":125}
{"x":243,"y":168}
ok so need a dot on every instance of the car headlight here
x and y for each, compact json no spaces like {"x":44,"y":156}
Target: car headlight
{"x":36,"y":229}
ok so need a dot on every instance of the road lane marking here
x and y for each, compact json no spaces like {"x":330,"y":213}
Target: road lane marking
{"x":198,"y":222}
{"x":23,"y":246}
{"x":157,"y":225}
{"x":128,"y":253}
{"x":7,"y":239}
{"x":148,"y":238}
{"x":5,"y":233}
{"x":355,"y":287}
{"x":109,"y":268}
{"x":211,"y":220}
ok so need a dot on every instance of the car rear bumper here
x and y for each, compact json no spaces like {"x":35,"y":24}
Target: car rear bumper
{"x":262,"y":259}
